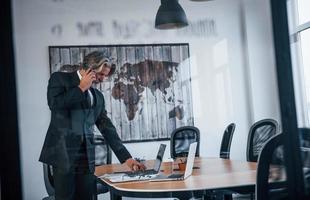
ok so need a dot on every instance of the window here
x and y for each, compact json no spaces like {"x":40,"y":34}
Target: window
{"x":299,"y":21}
{"x":300,"y":31}
{"x":305,"y":51}
{"x":303,"y":11}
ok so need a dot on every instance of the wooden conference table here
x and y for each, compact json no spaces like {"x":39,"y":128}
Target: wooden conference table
{"x":208,"y":174}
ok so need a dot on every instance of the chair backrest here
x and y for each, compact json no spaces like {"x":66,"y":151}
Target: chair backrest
{"x":103,"y":153}
{"x":48,"y":179}
{"x":180,"y":140}
{"x":259,"y":133}
{"x":268,"y":156}
{"x":304,"y":134}
{"x":226,"y":141}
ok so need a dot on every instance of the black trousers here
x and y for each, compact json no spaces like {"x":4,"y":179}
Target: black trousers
{"x":74,"y":185}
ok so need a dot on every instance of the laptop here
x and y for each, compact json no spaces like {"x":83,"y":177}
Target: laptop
{"x":188,"y":169}
{"x":123,"y":176}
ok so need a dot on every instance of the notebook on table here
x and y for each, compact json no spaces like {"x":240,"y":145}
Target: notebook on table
{"x":188,"y":169}
{"x":124,"y":176}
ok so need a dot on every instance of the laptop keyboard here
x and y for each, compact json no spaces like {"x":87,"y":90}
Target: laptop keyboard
{"x":175,"y":175}
{"x":141,"y":173}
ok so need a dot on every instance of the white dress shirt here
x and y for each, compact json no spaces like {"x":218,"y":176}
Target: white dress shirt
{"x":89,"y":92}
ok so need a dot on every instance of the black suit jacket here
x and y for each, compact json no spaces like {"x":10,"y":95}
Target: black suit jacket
{"x":72,"y":123}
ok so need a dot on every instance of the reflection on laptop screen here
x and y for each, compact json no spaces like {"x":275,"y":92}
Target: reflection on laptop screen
{"x":188,"y":170}
{"x":190,"y":160}
{"x":159,"y":157}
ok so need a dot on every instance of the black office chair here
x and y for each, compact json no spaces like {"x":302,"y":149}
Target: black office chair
{"x":180,"y":140}
{"x":304,"y":135}
{"x":225,"y":154}
{"x":226,"y":141}
{"x":271,"y":153}
{"x":49,"y":182}
{"x":259,"y":133}
{"x":103,"y":155}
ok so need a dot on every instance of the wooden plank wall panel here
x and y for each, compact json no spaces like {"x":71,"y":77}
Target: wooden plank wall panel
{"x":175,"y":58}
{"x":151,"y":81}
{"x":125,"y":125}
{"x":151,"y":97}
{"x":132,"y":107}
{"x":142,"y":76}
{"x":75,"y":56}
{"x":65,"y":56}
{"x":168,"y":94}
{"x":182,"y":83}
{"x":115,"y":104}
{"x":177,"y":86}
{"x":54,"y":59}
{"x":161,"y":107}
{"x":93,"y":49}
{"x":83,"y":52}
{"x":186,"y":87}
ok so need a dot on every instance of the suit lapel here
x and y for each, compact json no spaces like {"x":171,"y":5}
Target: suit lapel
{"x":75,"y":78}
{"x":92,"y":90}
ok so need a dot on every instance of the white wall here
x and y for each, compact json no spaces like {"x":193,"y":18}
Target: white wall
{"x":261,"y":59}
{"x":226,"y":66}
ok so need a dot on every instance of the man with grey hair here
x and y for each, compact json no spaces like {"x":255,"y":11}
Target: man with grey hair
{"x":69,"y":144}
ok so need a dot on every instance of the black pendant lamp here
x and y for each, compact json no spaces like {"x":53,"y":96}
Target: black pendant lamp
{"x":170,"y":15}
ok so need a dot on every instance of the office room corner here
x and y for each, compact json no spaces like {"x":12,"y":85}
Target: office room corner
{"x":161,"y":99}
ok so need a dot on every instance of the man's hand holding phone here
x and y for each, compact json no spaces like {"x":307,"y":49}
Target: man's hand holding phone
{"x":87,"y":79}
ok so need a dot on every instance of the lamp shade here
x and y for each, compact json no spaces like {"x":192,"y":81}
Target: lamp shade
{"x":170,"y":15}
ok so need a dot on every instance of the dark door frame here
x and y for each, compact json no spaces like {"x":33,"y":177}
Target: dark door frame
{"x":11,"y":185}
{"x":292,"y":154}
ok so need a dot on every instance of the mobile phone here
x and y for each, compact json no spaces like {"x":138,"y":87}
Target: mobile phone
{"x":91,"y":70}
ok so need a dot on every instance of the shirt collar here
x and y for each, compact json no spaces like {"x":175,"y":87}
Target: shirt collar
{"x":79,"y":74}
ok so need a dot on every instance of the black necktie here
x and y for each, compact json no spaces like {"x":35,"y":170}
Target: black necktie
{"x":88,"y":98}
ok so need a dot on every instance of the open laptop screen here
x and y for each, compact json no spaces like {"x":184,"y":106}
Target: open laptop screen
{"x":159,"y":157}
{"x":190,"y":160}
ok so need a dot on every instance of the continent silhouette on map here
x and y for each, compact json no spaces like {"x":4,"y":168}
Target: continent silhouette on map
{"x":132,"y":80}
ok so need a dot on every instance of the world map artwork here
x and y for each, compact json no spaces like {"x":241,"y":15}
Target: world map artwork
{"x":149,"y":95}
{"x":133,"y":79}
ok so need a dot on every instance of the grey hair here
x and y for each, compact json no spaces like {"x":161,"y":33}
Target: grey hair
{"x":93,"y":60}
